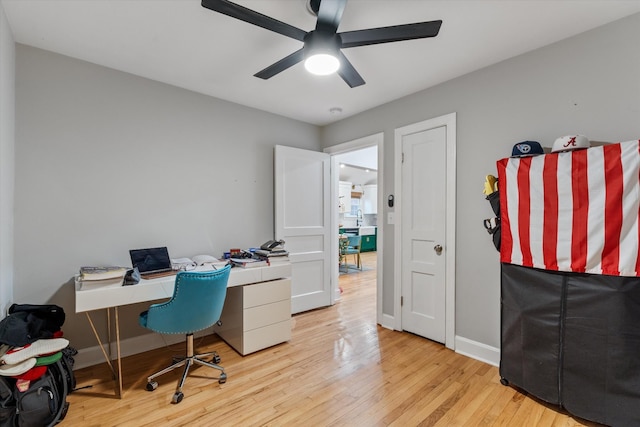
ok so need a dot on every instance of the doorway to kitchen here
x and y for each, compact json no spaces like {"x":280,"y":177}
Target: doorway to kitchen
{"x":356,"y":176}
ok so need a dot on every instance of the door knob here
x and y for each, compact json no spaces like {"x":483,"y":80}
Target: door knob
{"x":438,"y":249}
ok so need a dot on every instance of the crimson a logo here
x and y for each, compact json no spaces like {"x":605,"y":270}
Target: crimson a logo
{"x":571,"y":142}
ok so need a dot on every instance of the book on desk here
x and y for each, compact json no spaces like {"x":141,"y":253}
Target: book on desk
{"x":102,"y":273}
{"x":96,"y":277}
{"x":249,"y":262}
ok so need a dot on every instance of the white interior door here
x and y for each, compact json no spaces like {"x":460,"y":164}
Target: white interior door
{"x":303,"y":221}
{"x":423,"y":217}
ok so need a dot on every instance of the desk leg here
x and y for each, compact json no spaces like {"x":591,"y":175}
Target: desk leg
{"x":116,"y":375}
{"x":104,"y":353}
{"x":119,"y":356}
{"x":109,"y":338}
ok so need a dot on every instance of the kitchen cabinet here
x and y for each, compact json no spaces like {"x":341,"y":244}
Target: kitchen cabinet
{"x":369,"y":237}
{"x":369,"y":200}
{"x":344,"y":197}
{"x":368,"y":243}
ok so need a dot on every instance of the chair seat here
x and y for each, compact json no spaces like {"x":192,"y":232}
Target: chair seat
{"x":177,"y":326}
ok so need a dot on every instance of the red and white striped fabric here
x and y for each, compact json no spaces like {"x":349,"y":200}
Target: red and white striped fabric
{"x":574,"y":211}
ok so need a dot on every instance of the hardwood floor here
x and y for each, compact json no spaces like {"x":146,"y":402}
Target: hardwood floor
{"x":339,"y":369}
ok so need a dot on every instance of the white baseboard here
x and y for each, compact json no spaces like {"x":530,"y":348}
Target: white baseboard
{"x":473,"y":349}
{"x":478,"y":351}
{"x":93,"y":355}
{"x":387,"y":321}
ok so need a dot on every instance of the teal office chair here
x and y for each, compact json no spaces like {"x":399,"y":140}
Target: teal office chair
{"x":196,"y":304}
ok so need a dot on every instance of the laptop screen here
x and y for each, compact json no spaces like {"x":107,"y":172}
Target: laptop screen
{"x":150,"y":260}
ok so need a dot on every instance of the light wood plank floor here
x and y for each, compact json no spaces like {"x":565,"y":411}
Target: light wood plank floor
{"x":339,"y":369}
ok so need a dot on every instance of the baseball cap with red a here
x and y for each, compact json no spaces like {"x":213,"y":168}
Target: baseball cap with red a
{"x":570,"y":142}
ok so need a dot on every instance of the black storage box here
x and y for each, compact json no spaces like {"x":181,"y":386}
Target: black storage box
{"x":573,"y":340}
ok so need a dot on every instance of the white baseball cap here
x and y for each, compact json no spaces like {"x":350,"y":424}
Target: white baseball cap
{"x":570,"y":142}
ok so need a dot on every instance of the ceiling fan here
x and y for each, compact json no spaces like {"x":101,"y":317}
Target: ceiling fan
{"x":323,"y":44}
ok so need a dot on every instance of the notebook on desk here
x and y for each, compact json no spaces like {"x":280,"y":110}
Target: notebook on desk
{"x":152,"y":262}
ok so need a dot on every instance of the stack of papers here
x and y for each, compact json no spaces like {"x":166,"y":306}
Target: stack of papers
{"x":198,"y":263}
{"x":92,"y":277}
{"x":271,"y":254}
{"x":278,"y":256}
{"x":249,"y":262}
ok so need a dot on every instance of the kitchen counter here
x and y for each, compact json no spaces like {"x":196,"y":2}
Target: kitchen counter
{"x":367,"y":230}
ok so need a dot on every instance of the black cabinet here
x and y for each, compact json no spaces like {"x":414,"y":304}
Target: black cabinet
{"x":573,"y":340}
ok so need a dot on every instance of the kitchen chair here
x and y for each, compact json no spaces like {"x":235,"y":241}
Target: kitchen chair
{"x":196,"y":304}
{"x":353,"y":248}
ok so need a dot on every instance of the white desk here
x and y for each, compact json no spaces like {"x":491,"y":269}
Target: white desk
{"x":161,"y":288}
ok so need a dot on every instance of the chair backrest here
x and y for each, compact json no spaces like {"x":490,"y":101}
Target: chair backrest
{"x":198,"y":298}
{"x":354,"y":242}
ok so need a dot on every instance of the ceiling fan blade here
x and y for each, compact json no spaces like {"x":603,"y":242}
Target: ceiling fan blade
{"x":393,"y":33}
{"x":330,"y":14}
{"x":281,"y":65}
{"x":349,"y":73}
{"x":252,"y":17}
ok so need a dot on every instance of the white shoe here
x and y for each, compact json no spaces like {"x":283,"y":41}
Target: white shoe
{"x":18,"y":368}
{"x":37,"y":348}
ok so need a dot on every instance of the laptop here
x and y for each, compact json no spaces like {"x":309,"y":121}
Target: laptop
{"x":152,"y":262}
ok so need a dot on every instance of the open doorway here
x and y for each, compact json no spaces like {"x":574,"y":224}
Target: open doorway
{"x":357,"y":208}
{"x":356,"y":176}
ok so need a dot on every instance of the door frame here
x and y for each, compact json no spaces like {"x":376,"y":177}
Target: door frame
{"x":449,"y":122}
{"x":357,"y":144}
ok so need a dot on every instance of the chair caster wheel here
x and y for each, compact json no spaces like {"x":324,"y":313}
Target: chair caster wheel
{"x":504,"y":381}
{"x":177,"y":397}
{"x":152,"y":386}
{"x":222,"y":379}
{"x":216,"y":359}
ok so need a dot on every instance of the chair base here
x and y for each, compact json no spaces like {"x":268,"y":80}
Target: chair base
{"x":189,"y":360}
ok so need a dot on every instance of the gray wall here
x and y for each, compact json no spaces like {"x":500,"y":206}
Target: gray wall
{"x":588,"y":84}
{"x":7,"y":145}
{"x":107,"y":162}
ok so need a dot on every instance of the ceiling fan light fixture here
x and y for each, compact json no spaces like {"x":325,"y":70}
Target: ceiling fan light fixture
{"x":322,"y":64}
{"x":321,"y":53}
{"x":322,"y":49}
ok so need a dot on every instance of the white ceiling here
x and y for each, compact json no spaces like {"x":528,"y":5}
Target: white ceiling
{"x":365,"y":158}
{"x":183,"y":44}
{"x":358,"y":176}
{"x":359,"y":166}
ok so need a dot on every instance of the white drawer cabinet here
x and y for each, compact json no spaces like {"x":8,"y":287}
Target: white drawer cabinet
{"x":256,"y":316}
{"x":344,"y":197}
{"x":369,"y":199}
